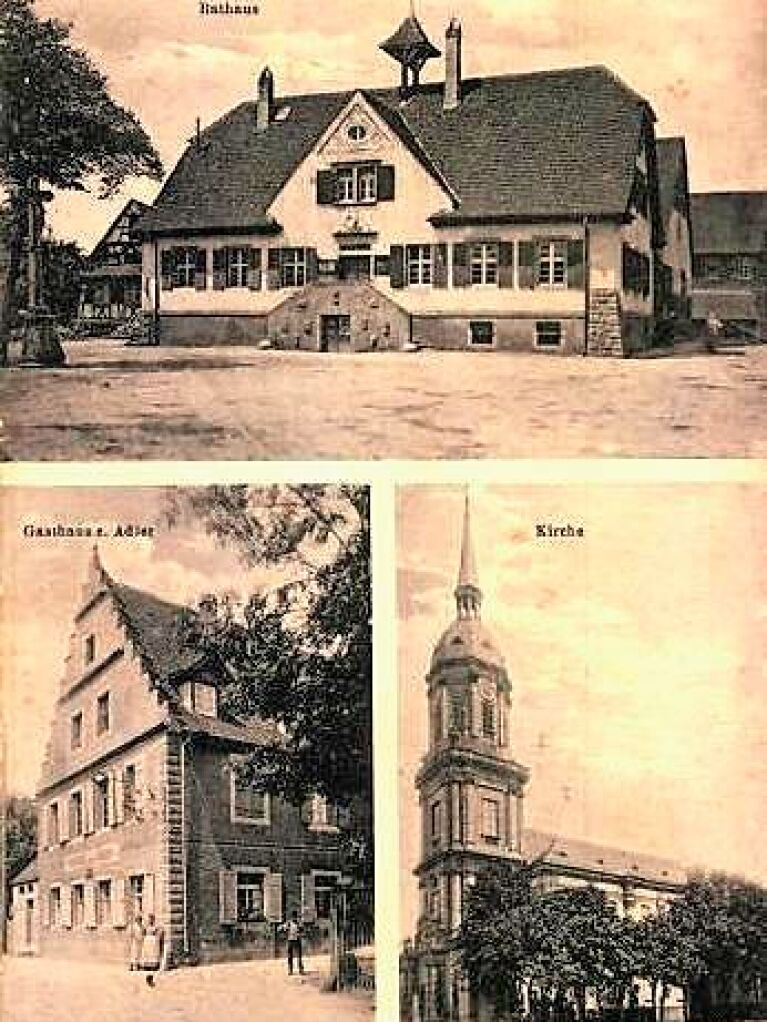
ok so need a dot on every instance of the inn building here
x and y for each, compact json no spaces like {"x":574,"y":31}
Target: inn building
{"x":517,"y":211}
{"x":472,"y":793}
{"x":142,"y":809}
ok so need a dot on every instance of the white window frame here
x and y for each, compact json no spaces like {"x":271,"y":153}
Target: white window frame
{"x":367,"y":184}
{"x":491,"y":820}
{"x":536,"y":337}
{"x":293,"y":267}
{"x":254,"y":821}
{"x":553,"y":256}
{"x":134,"y":898}
{"x":102,"y":802}
{"x":419,"y":265}
{"x":476,"y":344}
{"x":334,"y":874}
{"x":483,"y":263}
{"x":254,"y":871}
{"x":357,"y":184}
{"x":237,"y":264}
{"x":319,"y":815}
{"x":186,"y":267}
{"x":98,"y":903}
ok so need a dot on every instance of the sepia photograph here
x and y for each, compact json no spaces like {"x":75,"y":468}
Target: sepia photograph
{"x":187,"y":754}
{"x":582,"y":756}
{"x":283,"y":230}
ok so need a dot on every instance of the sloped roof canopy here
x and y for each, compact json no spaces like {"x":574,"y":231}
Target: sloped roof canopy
{"x":550,"y":145}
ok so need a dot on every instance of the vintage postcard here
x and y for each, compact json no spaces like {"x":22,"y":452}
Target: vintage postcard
{"x":283,"y":230}
{"x":187,"y":759}
{"x":582,"y":751}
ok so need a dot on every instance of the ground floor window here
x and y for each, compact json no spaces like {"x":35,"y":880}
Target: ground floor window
{"x":78,"y":905}
{"x":483,"y":263}
{"x":325,"y":885}
{"x":481,"y":333}
{"x":419,"y":264}
{"x":293,"y":267}
{"x":552,"y":263}
{"x":136,"y":896}
{"x":548,"y":334}
{"x":250,"y":897}
{"x":103,"y":903}
{"x":237,"y":267}
{"x":54,"y":906}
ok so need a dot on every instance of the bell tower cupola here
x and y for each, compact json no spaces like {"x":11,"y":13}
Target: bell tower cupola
{"x":411,"y":48}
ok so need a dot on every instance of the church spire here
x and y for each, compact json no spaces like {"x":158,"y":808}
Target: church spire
{"x":468,"y":595}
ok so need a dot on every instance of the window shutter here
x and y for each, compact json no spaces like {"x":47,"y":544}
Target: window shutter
{"x":385,"y":189}
{"x":439,"y":258}
{"x":461,"y":265}
{"x":89,"y":807}
{"x":312,"y":266}
{"x":90,"y":906}
{"x":148,"y":893}
{"x":274,"y":276}
{"x":527,"y":262}
{"x":167,"y":264}
{"x":381,"y":265}
{"x":273,"y":897}
{"x":254,"y":269}
{"x":118,"y":902}
{"x":308,"y":904}
{"x":227,"y":896}
{"x":219,"y":269}
{"x":397,"y":266}
{"x":326,"y":187}
{"x":575,"y":267}
{"x":66,"y":906}
{"x":118,"y":797}
{"x":201,"y":270}
{"x":506,"y":264}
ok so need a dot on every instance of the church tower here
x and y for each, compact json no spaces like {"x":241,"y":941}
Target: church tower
{"x":470,"y":788}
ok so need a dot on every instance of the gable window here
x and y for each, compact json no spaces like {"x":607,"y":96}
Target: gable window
{"x":89,"y":649}
{"x":129,"y":792}
{"x":247,"y":804}
{"x":101,"y":801}
{"x":104,"y":903}
{"x":76,"y":814}
{"x":102,"y":713}
{"x":552,"y":263}
{"x":357,"y":132}
{"x":293,"y":267}
{"x":481,"y":333}
{"x":238,"y":261}
{"x":419,"y":264}
{"x":490,"y":819}
{"x":185,"y":266}
{"x":357,"y":183}
{"x":548,"y":333}
{"x":53,"y":823}
{"x":76,"y":730}
{"x":483,"y":263}
{"x":250,"y":896}
{"x":78,"y":904}
{"x":488,"y":718}
{"x":54,"y":906}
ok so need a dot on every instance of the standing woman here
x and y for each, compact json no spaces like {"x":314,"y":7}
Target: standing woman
{"x":152,"y":950}
{"x":136,"y":938}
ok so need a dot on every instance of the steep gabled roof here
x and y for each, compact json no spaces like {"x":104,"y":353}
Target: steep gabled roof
{"x":555,"y":144}
{"x":131,"y":206}
{"x":729,"y":222}
{"x":27,"y":874}
{"x":673,"y":185}
{"x":154,"y":627}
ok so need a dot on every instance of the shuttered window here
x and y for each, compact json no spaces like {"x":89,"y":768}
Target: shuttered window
{"x":552,"y":263}
{"x":184,"y":266}
{"x":420,"y":264}
{"x":238,"y":260}
{"x":483,"y":262}
{"x":355,"y":184}
{"x":292,"y":267}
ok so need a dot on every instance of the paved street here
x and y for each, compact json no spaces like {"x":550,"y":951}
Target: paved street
{"x":113,"y":402}
{"x":36,"y":990}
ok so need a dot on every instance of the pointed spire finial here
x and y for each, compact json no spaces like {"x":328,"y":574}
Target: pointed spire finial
{"x":468,"y":595}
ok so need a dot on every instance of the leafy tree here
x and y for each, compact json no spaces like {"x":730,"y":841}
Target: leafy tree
{"x":59,"y":128}
{"x":20,"y":833}
{"x":299,"y":655}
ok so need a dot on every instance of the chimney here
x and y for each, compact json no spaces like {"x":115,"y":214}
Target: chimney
{"x":452,"y":97}
{"x":265,"y":100}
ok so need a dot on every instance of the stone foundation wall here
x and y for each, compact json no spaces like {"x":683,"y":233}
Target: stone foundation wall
{"x":210,"y":330}
{"x":510,"y":334}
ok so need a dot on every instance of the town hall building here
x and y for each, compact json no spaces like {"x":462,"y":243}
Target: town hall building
{"x":142,"y":809}
{"x":472,"y":793}
{"x":518,"y":211}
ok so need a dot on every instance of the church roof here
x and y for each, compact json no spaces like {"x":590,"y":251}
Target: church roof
{"x":585,"y":856}
{"x":466,"y":638}
{"x":554,"y":144}
{"x":729,"y":222}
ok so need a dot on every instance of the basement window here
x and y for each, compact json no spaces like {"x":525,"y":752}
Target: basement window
{"x":548,"y":334}
{"x":481,"y":333}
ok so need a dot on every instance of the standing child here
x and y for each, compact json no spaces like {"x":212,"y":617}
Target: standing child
{"x":152,"y":950}
{"x":136,"y":937}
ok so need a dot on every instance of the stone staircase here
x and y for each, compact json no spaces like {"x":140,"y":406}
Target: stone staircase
{"x":605,"y":335}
